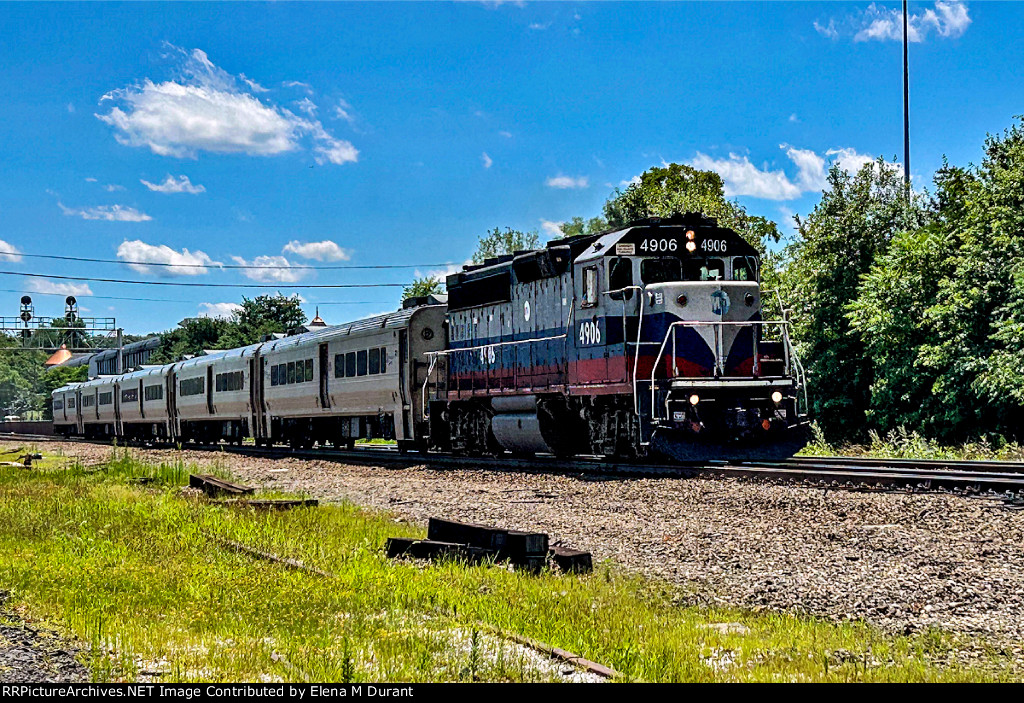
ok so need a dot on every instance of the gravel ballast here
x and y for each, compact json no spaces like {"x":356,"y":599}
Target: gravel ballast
{"x":31,"y":653}
{"x":902,"y":561}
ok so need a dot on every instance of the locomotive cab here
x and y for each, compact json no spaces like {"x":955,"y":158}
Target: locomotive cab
{"x":683,"y":297}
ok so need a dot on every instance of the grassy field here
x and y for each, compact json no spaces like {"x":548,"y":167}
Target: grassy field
{"x":132,"y":568}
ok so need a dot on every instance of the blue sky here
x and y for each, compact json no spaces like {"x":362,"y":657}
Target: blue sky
{"x":397,"y":133}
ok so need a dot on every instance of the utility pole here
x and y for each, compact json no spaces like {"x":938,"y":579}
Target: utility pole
{"x":906,"y":106}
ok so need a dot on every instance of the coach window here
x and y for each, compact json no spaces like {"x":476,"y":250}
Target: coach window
{"x":361,"y":362}
{"x":664,"y":270}
{"x":291,"y":372}
{"x":589,"y":286}
{"x":273,"y":375}
{"x":374,"y":361}
{"x":383,"y":359}
{"x":339,"y":365}
{"x":309,"y":370}
{"x":350,"y":364}
{"x":620,"y":276}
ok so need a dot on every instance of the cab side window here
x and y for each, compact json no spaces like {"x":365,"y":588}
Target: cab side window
{"x":620,"y":275}
{"x":744,"y":269}
{"x":589,"y":287}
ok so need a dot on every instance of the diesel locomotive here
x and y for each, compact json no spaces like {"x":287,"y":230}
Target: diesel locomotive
{"x":650,"y":338}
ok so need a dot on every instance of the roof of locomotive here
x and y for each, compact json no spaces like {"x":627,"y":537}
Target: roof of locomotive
{"x":491,"y":282}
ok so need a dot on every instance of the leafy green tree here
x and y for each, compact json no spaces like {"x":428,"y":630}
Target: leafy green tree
{"x":577,"y":226}
{"x":978,"y":358}
{"x":679,"y":189}
{"x":19,"y":379}
{"x":54,"y":378}
{"x":260,"y":316}
{"x":426,"y":285}
{"x":857,"y":218}
{"x":497,"y":243}
{"x":191,"y":337}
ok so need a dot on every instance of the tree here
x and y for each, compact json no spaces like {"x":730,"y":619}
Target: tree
{"x":263,"y":315}
{"x":54,"y":378}
{"x":853,"y":224}
{"x":577,"y":226}
{"x":497,"y":243}
{"x":427,"y":285}
{"x":678,"y":189}
{"x":191,"y":337}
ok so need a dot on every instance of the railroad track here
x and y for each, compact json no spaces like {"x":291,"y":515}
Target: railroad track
{"x":839,"y":472}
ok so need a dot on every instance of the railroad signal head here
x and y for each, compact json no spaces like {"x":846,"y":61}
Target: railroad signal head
{"x":26,"y":300}
{"x":71,"y":301}
{"x":26,"y":315}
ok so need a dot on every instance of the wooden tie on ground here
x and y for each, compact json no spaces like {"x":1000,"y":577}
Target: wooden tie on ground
{"x":268,"y":504}
{"x":213,"y":485}
{"x":474,"y":543}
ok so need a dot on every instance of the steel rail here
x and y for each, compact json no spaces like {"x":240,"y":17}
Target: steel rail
{"x":842,"y":472}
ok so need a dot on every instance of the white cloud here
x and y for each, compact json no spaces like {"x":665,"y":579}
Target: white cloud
{"x":186,"y":263}
{"x":343,"y":111}
{"x":90,"y":179}
{"x":828,"y":30}
{"x":37,"y":285}
{"x":181,"y":184}
{"x":298,"y":84}
{"x":487,"y":160}
{"x":283,"y":271}
{"x":207,"y":109}
{"x":113,"y":188}
{"x":552,"y":229}
{"x":110,"y":213}
{"x":222,"y":310}
{"x":849,"y":159}
{"x":253,"y":85}
{"x":318,"y":251}
{"x":744,"y":178}
{"x":538,"y":26}
{"x":794,"y":118}
{"x":71,"y":108}
{"x":307,"y":106}
{"x":9,"y":252}
{"x":810,"y":167}
{"x":631,"y":181}
{"x":947,"y":19}
{"x":561,"y":181}
{"x":505,"y":133}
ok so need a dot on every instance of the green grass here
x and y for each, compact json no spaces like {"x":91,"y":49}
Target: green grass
{"x":130,"y":568}
{"x":901,"y":444}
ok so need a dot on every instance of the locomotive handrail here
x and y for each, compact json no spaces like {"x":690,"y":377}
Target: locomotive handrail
{"x":790,"y":348}
{"x":700,"y":323}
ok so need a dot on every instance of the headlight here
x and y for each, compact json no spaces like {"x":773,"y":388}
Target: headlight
{"x":694,"y":399}
{"x":748,"y":299}
{"x":690,"y":246}
{"x":681,"y":301}
{"x":776,"y":397}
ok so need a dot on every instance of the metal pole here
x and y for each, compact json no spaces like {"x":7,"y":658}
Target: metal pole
{"x":120,"y":350}
{"x":906,"y":106}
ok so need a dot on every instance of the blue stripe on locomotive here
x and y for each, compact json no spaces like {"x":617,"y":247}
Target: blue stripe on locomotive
{"x":549,"y":353}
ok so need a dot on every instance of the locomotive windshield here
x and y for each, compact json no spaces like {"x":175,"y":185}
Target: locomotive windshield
{"x":698,"y":268}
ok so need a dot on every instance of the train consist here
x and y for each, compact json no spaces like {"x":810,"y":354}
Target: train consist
{"x":649,"y":337}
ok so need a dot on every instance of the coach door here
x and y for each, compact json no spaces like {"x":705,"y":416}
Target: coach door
{"x":257,"y":364}
{"x":209,"y":389}
{"x":142,"y":404}
{"x":325,"y":398}
{"x":170,"y":393}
